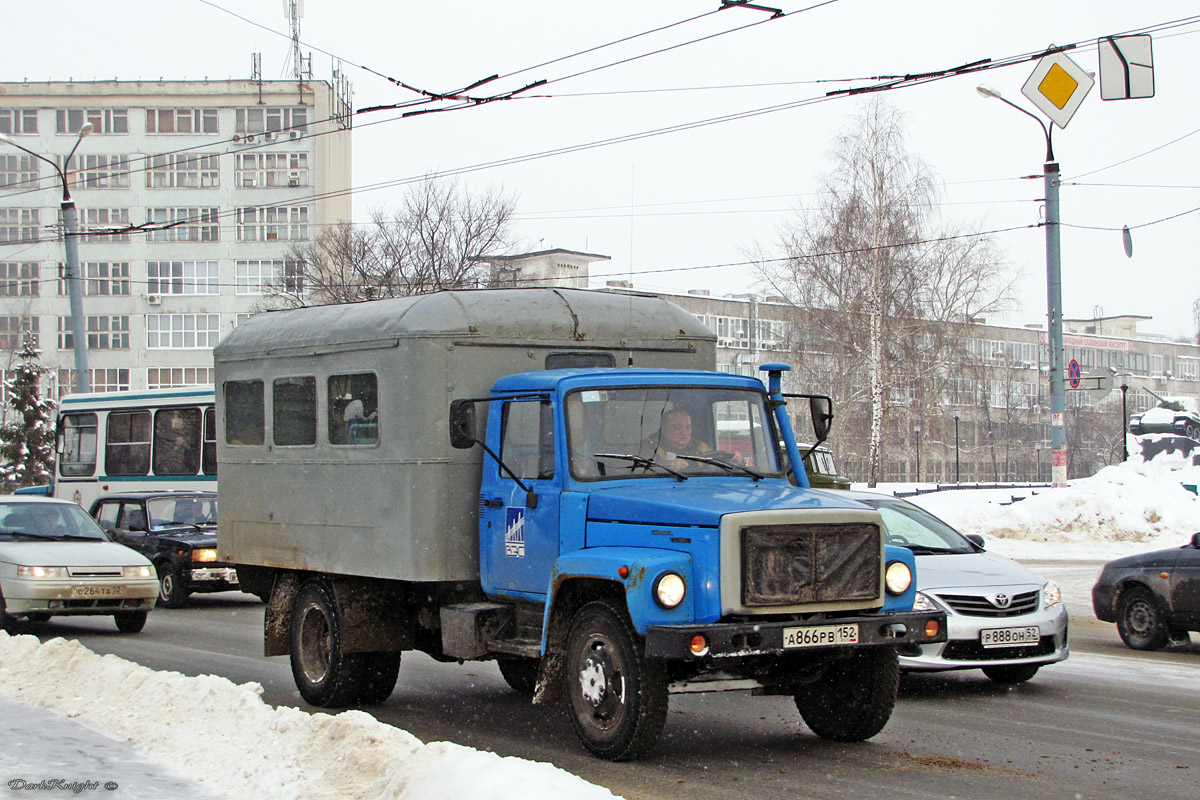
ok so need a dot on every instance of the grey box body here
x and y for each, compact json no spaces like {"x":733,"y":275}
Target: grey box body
{"x":407,"y":508}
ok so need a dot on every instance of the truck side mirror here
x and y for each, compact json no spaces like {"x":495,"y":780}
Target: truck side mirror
{"x":821,"y":409}
{"x":1196,"y":540}
{"x":462,"y":424}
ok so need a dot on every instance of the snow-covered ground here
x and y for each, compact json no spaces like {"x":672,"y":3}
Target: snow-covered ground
{"x":255,"y":751}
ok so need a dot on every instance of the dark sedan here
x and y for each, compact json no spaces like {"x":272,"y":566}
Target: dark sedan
{"x":175,"y":530}
{"x":1153,"y":597}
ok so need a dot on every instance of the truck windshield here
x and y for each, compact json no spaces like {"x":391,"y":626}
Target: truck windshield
{"x":651,"y":432}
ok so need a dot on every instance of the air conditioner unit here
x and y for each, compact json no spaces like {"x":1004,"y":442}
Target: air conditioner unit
{"x":153,"y":299}
{"x":294,"y":179}
{"x":295,"y":134}
{"x":269,"y":136}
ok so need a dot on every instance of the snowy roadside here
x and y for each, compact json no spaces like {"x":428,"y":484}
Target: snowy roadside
{"x":257,"y":752}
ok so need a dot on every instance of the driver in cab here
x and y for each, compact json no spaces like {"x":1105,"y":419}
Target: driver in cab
{"x":675,"y":439}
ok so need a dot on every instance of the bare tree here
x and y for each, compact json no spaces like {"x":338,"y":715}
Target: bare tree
{"x":432,"y":242}
{"x":889,"y":286}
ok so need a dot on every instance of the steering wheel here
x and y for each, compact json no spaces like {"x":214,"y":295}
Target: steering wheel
{"x":719,"y":455}
{"x":897,"y":539}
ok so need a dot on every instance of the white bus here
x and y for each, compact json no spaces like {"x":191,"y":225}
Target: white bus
{"x":125,"y":441}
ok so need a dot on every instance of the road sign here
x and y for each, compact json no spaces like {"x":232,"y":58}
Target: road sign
{"x":1126,"y":67}
{"x":1057,"y":87}
{"x":1074,"y":373}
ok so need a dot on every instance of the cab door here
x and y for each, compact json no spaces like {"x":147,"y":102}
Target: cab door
{"x":519,"y":537}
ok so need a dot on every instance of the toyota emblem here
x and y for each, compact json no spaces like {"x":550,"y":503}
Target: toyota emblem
{"x":1001,"y":601}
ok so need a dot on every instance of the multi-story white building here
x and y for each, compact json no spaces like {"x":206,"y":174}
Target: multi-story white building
{"x":190,"y":196}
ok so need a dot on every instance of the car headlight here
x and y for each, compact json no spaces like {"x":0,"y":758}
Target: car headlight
{"x":137,"y":572}
{"x":924,"y":602}
{"x":669,"y":590}
{"x":1051,"y":596}
{"x":41,"y":572}
{"x":204,"y":554}
{"x":897,"y":578}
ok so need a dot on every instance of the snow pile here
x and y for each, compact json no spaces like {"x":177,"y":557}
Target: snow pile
{"x":1127,"y":508}
{"x":251,"y":750}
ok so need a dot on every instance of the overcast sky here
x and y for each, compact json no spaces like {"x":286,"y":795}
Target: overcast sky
{"x":665,"y":206}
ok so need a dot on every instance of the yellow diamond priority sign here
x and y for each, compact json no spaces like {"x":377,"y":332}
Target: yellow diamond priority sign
{"x":1057,"y":87}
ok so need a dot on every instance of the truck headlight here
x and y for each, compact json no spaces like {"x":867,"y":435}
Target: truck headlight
{"x":137,"y":572}
{"x":41,"y":572}
{"x":669,"y":590}
{"x":897,"y":578}
{"x":1051,"y":596}
{"x":204,"y":554}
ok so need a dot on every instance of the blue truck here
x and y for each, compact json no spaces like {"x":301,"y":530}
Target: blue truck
{"x":470,"y":474}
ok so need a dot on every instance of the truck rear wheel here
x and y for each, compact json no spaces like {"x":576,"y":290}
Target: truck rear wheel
{"x":325,"y":676}
{"x":380,"y":672}
{"x":616,"y":697}
{"x":854,"y":699}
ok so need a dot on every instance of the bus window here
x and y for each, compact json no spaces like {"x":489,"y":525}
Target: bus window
{"x":78,"y":457}
{"x":127,"y":451}
{"x":353,"y":409}
{"x":244,"y":415}
{"x":177,"y":441}
{"x":209,"y":453}
{"x":294,"y":411}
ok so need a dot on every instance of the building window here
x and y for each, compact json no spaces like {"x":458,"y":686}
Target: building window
{"x":18,"y":121}
{"x":182,"y":171}
{"x":181,"y":120}
{"x":266,"y":277}
{"x":100,"y":380}
{"x":182,"y":277}
{"x":276,"y":223}
{"x":100,"y":278}
{"x":20,"y":225}
{"x":182,"y":225}
{"x":266,"y":170}
{"x":103,"y":333}
{"x":97,"y":171}
{"x":13,"y":330}
{"x":19,"y":278}
{"x":262,"y":120}
{"x":100,"y":225}
{"x":104,"y":120}
{"x":182,"y":331}
{"x":18,"y":169}
{"x":174,"y":377}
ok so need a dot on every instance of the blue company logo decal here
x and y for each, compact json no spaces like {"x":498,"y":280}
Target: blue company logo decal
{"x":514,"y":532}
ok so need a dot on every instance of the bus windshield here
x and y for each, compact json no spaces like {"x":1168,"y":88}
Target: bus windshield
{"x":670,"y":430}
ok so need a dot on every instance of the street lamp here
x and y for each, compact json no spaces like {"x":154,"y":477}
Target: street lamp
{"x":1058,"y":396}
{"x":956,"y":473}
{"x":1124,"y":423}
{"x":71,"y":244}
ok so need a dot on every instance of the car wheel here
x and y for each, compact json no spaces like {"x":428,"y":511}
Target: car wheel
{"x":7,"y":624}
{"x":172,"y":588}
{"x":131,"y":621}
{"x":380,"y":672}
{"x":1193,"y":432}
{"x":520,"y":674}
{"x":616,"y":697}
{"x":326,"y":676}
{"x":1140,"y":621}
{"x":1011,"y":673}
{"x":854,"y":699}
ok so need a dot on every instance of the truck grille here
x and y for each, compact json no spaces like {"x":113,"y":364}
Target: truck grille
{"x":796,"y":564}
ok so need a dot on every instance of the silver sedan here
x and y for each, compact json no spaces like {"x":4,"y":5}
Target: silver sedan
{"x":1001,"y":617}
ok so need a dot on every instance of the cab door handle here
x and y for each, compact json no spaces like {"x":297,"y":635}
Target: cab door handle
{"x":495,"y":502}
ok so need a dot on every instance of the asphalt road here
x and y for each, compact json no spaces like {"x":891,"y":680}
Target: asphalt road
{"x":1109,"y":722}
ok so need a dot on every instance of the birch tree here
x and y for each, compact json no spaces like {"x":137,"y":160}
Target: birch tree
{"x":884,"y":286}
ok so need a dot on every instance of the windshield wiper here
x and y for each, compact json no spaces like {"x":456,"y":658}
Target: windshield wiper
{"x":639,"y":461}
{"x":923,"y":550}
{"x":725,"y":465}
{"x":48,"y":536}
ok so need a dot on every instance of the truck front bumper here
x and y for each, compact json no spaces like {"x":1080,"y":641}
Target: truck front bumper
{"x":740,"y":639}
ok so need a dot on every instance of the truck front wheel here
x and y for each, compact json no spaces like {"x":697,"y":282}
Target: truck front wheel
{"x":616,"y":697}
{"x":854,"y":699}
{"x":325,"y":676}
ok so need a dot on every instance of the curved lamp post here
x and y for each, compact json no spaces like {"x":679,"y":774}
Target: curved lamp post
{"x":1058,"y":395}
{"x":71,"y":244}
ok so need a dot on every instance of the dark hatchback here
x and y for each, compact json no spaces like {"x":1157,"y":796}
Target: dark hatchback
{"x":177,"y":531}
{"x":1153,"y":597}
